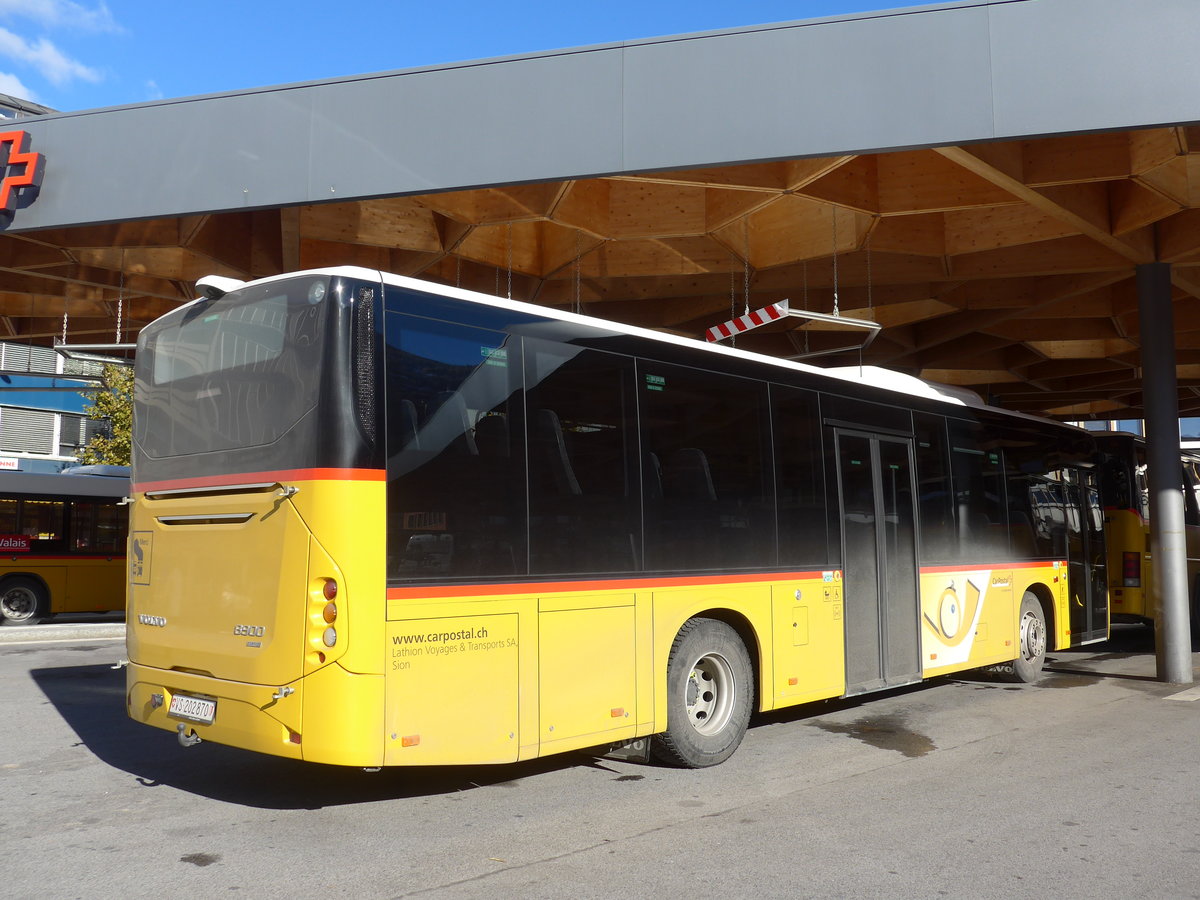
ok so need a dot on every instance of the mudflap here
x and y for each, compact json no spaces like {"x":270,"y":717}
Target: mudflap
{"x":633,"y":750}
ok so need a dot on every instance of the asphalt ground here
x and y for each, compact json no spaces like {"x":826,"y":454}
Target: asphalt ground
{"x":82,"y":627}
{"x":1083,"y":786}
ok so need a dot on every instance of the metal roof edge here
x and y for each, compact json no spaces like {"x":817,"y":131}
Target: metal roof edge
{"x":539,"y":54}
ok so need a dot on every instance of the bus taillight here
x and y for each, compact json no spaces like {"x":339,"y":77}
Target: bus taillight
{"x":1131,"y":568}
{"x":323,"y":614}
{"x":329,"y":613}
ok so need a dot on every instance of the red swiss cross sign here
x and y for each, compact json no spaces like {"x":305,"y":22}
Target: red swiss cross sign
{"x":22,"y":170}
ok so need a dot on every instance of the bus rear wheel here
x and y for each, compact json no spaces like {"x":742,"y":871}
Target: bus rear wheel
{"x":23,"y":601}
{"x":709,"y":694}
{"x":1031,"y":641}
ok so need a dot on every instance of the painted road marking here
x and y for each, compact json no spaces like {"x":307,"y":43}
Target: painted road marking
{"x":1189,"y":695}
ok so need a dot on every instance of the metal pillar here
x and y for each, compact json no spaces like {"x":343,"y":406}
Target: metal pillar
{"x":1168,"y":546}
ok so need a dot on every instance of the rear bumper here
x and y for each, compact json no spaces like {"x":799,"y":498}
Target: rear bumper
{"x":247,"y":716}
{"x":329,"y":716}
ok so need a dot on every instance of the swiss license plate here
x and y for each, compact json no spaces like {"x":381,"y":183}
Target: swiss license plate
{"x":195,"y":709}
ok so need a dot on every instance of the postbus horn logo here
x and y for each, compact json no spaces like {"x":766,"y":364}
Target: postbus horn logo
{"x":22,"y":172}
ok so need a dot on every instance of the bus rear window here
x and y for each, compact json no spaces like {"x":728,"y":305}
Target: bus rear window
{"x":234,"y":372}
{"x":223,"y":336}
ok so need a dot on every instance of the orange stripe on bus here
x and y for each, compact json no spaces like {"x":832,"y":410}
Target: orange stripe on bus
{"x":628,"y":584}
{"x":281,"y":475}
{"x":992,"y":567}
{"x":633,"y":584}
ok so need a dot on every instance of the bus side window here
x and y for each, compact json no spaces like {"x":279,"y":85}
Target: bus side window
{"x":799,"y":477}
{"x":584,"y":495}
{"x":456,"y":490}
{"x":112,"y":525}
{"x":98,"y":527}
{"x":83,"y":525}
{"x":978,"y":494}
{"x":9,"y":508}
{"x":42,"y":520}
{"x":709,"y":431}
{"x":935,"y":498}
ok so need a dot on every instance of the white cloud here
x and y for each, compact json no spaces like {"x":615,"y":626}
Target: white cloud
{"x":48,"y":60}
{"x":11,"y":85}
{"x":61,"y":14}
{"x":153,"y":91}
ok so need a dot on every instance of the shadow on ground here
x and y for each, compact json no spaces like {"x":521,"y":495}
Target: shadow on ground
{"x":91,"y":699}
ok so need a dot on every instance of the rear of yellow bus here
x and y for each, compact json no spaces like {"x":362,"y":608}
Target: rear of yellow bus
{"x":1126,"y":527}
{"x":256,"y":552}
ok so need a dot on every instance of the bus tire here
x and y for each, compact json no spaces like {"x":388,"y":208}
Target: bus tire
{"x":710,"y":688}
{"x":23,"y":601}
{"x":1031,"y":641}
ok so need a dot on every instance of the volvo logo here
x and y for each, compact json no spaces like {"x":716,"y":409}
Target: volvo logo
{"x":156,"y":621}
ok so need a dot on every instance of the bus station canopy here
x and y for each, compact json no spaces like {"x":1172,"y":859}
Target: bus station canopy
{"x":981,"y":179}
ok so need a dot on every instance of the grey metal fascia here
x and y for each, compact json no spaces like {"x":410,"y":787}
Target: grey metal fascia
{"x":953,"y":73}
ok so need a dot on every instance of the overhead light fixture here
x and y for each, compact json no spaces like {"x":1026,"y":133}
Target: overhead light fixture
{"x":97,"y":353}
{"x":779,"y":330}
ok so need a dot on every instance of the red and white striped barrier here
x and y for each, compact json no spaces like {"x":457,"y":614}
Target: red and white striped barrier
{"x":748,"y":321}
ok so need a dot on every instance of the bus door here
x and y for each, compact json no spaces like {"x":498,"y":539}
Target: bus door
{"x":1087,"y":569}
{"x":875,"y":483}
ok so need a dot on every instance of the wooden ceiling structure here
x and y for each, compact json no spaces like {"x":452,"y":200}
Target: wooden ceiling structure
{"x":1007,"y":268}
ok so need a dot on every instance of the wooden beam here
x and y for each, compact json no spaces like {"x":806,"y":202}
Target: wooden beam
{"x":1179,"y":236}
{"x":793,"y":228}
{"x":990,"y":228}
{"x":397,"y":222}
{"x":957,"y":327}
{"x":1068,"y":207}
{"x":966,"y":377}
{"x":769,"y":178}
{"x":1065,"y":329}
{"x":19,"y":252}
{"x":923,"y":235}
{"x":1075,"y":158}
{"x":919,"y":181}
{"x":289,"y":238}
{"x":1055,"y":257}
{"x":1153,"y":148}
{"x":854,"y":185}
{"x":1133,"y":206}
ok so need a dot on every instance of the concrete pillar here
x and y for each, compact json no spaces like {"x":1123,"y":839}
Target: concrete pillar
{"x":1168,"y":545}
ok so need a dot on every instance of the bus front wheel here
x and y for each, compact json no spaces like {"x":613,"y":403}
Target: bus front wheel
{"x":710,"y":687}
{"x":1031,"y":640}
{"x":23,"y":601}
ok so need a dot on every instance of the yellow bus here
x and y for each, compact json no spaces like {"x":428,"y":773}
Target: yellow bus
{"x":1126,"y":495}
{"x":383,"y":522}
{"x":62,"y":542}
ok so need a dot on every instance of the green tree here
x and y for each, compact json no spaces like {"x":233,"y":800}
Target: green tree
{"x":113,"y":404}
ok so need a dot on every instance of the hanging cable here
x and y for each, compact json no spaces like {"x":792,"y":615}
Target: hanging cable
{"x":836,"y":310}
{"x":577,"y":278}
{"x":804,"y":269}
{"x":732,"y":304}
{"x":746,"y":268}
{"x":510,"y":260}
{"x":870,"y":304}
{"x":121,"y":298}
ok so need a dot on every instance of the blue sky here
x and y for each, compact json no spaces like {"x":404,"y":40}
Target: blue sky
{"x":80,"y":54}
